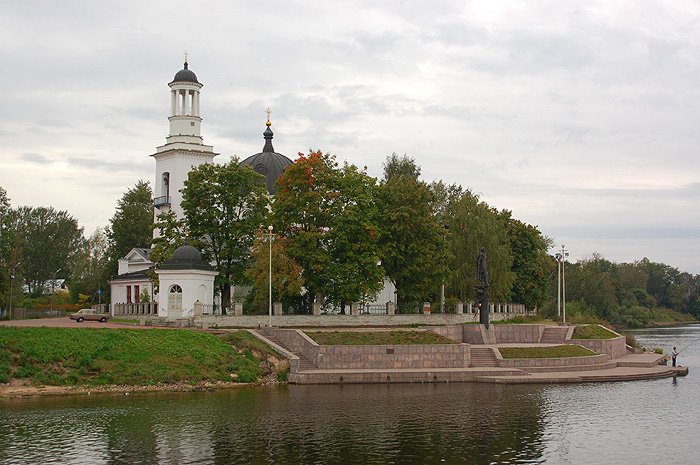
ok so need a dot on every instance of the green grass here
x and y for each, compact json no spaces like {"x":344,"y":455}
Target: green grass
{"x":592,"y":332}
{"x":125,"y":320}
{"x":356,"y":338}
{"x":545,"y":352}
{"x":98,"y":356}
{"x":243,"y":340}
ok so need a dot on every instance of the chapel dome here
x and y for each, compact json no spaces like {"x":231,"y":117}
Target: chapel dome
{"x":268,"y":162}
{"x":187,"y":253}
{"x":185,"y":75}
{"x":186,"y":257}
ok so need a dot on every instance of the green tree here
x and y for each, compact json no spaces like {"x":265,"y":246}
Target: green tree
{"x":224,"y":205}
{"x":531,"y":264}
{"x":287,"y":280}
{"x":90,"y":270}
{"x":474,"y":224}
{"x":412,"y":237}
{"x":5,"y":210}
{"x":665,"y":284}
{"x":593,"y":281}
{"x":171,"y":236}
{"x":329,"y":216}
{"x":132,"y":223}
{"x":48,"y":241}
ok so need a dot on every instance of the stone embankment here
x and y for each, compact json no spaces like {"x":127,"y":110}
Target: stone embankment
{"x":476,"y":358}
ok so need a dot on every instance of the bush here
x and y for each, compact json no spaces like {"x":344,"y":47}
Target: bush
{"x":632,"y":341}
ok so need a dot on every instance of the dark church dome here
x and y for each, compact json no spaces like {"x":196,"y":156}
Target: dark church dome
{"x":186,"y":257}
{"x":185,"y":75}
{"x":268,"y":162}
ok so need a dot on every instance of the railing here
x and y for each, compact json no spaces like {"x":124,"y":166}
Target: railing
{"x":211,"y":309}
{"x":141,"y":308}
{"x":375,"y":309}
{"x":162,"y":201}
{"x":101,"y":308}
{"x":27,"y":313}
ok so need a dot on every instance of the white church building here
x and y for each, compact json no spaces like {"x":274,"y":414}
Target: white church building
{"x":186,"y":281}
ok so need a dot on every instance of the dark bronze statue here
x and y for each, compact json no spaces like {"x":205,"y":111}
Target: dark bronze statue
{"x":481,"y":269}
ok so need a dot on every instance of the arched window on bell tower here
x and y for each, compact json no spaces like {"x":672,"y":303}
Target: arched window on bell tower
{"x":166,"y":184}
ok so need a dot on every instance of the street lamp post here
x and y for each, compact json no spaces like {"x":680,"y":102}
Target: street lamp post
{"x":564,"y":254}
{"x":53,"y":287}
{"x":269,"y":229}
{"x":558,"y":257}
{"x":12,"y":277}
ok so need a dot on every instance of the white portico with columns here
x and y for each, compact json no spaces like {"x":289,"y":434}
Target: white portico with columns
{"x":184,"y":148}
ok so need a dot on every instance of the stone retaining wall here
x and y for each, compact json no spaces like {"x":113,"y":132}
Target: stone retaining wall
{"x":506,"y":333}
{"x":551,"y":362}
{"x":296,"y":341}
{"x":502,"y":334}
{"x":614,"y":348}
{"x":453,"y":332}
{"x":394,"y":356}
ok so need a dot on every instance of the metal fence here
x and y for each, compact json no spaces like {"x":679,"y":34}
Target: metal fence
{"x":374,"y":309}
{"x":27,"y":313}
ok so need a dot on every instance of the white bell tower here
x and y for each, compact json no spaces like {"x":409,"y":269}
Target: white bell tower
{"x":184,"y":148}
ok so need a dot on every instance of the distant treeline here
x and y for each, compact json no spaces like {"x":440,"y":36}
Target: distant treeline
{"x":628,"y":295}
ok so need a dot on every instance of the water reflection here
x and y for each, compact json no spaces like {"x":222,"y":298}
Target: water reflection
{"x":634,"y":422}
{"x":400,"y":424}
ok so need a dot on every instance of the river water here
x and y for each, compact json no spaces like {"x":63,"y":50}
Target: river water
{"x":641,"y":422}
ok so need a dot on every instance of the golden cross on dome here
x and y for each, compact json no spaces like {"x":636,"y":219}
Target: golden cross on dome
{"x":185,"y":56}
{"x":268,"y":111}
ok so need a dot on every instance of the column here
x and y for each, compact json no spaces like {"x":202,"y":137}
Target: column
{"x":186,"y":108}
{"x":195,"y":103}
{"x":173,"y":102}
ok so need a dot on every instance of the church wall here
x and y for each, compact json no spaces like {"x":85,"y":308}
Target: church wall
{"x":119,"y":293}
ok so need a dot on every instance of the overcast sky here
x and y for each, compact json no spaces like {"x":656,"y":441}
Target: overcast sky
{"x":583,"y":118}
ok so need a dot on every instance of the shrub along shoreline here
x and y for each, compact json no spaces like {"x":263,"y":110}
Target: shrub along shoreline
{"x":97,"y":358}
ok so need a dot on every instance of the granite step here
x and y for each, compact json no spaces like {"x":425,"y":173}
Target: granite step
{"x":482,"y":357}
{"x":552,"y":369}
{"x":552,"y":335}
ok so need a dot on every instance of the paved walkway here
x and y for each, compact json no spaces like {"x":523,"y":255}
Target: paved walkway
{"x":65,"y":322}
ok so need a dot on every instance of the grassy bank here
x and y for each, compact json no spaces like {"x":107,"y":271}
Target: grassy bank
{"x":92,"y":356}
{"x":377,"y":337}
{"x":592,"y":332}
{"x":545,"y":352}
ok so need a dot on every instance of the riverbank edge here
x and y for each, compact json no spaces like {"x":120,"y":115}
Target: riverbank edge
{"x":10,"y":391}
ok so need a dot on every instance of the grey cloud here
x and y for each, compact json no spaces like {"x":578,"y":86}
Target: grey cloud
{"x":108,"y":165}
{"x":36,"y":158}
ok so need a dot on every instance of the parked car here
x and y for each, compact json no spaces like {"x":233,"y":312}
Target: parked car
{"x":89,"y":314}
